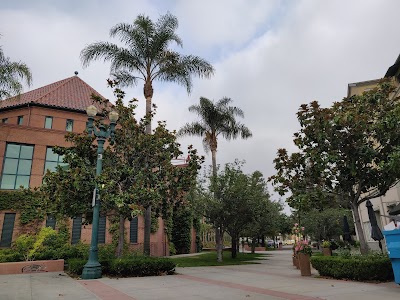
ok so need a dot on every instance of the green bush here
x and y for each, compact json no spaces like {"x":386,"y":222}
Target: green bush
{"x":9,"y":255}
{"x":23,"y":245}
{"x":107,"y":251}
{"x":172,"y":250}
{"x":360,"y":268}
{"x":75,"y":265}
{"x":128,"y":267}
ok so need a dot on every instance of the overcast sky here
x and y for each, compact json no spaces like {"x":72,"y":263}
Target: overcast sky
{"x":269,"y":56}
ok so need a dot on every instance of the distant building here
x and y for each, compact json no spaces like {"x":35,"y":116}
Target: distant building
{"x":390,"y":203}
{"x":30,"y":125}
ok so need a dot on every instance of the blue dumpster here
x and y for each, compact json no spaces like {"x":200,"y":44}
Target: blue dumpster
{"x":393,"y":245}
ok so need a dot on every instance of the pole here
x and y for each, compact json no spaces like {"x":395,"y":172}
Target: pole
{"x":92,"y":269}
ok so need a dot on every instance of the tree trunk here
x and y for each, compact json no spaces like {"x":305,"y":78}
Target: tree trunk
{"x":214,"y":161}
{"x":234,"y":246}
{"x":360,"y":231}
{"x":253,"y":245}
{"x":148,"y":112}
{"x":121,"y":232}
{"x":148,"y":94}
{"x":218,"y":241}
{"x":147,"y":231}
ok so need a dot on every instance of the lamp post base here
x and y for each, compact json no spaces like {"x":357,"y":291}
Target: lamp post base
{"x":91,"y":271}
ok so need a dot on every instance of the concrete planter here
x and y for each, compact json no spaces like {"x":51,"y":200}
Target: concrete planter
{"x":304,"y":262}
{"x":34,"y":266}
{"x":327,"y":251}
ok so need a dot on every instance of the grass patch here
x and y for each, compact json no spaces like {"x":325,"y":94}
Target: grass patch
{"x":210,"y":259}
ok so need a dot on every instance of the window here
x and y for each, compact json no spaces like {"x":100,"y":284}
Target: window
{"x":101,"y":235}
{"x":4,"y":121}
{"x":69,"y":125}
{"x":53,"y":160}
{"x":76,"y":230}
{"x":8,"y":229}
{"x":133,"y":232}
{"x":48,"y":122}
{"x":51,"y":222}
{"x":17,"y":166}
{"x":20,"y":120}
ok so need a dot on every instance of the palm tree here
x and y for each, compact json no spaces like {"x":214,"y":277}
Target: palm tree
{"x":11,"y":75}
{"x":147,"y":57}
{"x":216,"y":119}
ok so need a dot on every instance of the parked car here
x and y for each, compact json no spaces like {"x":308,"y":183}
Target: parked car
{"x":270,"y":243}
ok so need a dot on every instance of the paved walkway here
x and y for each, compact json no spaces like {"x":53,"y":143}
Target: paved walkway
{"x":274,"y":279}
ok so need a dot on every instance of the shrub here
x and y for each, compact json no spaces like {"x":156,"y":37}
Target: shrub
{"x":128,"y":267}
{"x":172,"y":250}
{"x":23,"y":245}
{"x":107,"y":251}
{"x":326,"y":244}
{"x":75,"y":265}
{"x":141,"y":266}
{"x":360,"y":268}
{"x":9,"y":255}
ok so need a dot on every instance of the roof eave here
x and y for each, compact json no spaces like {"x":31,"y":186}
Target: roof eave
{"x":42,"y":105}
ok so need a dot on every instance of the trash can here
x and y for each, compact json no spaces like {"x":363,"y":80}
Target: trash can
{"x":393,"y":245}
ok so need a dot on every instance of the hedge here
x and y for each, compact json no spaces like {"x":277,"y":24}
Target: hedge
{"x":128,"y":267}
{"x":359,"y":268}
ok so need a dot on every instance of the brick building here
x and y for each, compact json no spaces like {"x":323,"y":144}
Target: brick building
{"x":30,"y":125}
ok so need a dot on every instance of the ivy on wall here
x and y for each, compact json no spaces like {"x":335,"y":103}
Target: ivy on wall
{"x":29,"y":203}
{"x":181,"y":230}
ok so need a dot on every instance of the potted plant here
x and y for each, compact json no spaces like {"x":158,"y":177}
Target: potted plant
{"x":304,"y":251}
{"x":326,"y":248}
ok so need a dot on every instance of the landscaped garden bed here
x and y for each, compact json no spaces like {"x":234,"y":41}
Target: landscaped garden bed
{"x":356,"y":267}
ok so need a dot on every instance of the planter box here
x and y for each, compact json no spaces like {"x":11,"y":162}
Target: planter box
{"x":327,"y":251}
{"x":304,"y":262}
{"x":248,"y":248}
{"x":34,"y":266}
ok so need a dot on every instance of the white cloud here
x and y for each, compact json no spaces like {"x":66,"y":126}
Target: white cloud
{"x":270,"y":56}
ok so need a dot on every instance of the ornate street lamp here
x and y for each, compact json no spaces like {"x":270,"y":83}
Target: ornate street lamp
{"x":92,"y":269}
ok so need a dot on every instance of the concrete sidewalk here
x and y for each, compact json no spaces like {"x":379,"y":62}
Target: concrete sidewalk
{"x":275,"y":278}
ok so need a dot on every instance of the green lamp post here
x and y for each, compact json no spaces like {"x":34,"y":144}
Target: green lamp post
{"x":92,"y":269}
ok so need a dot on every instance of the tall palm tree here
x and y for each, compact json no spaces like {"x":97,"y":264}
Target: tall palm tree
{"x":11,"y":75}
{"x":148,"y":57}
{"x":215,"y":119}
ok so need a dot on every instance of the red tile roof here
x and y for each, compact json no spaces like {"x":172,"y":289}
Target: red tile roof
{"x":70,"y":93}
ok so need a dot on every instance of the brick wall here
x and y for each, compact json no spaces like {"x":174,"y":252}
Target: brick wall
{"x":32,"y":132}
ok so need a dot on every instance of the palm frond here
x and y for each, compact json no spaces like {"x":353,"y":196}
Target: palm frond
{"x":11,"y":75}
{"x":95,"y":51}
{"x":125,"y":78}
{"x":195,"y":128}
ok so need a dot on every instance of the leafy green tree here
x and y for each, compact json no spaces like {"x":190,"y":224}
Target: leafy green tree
{"x":269,"y":221}
{"x":237,"y":203}
{"x":137,"y":171}
{"x":11,"y":76}
{"x":215,"y":119}
{"x":348,"y":151}
{"x":326,"y":224}
{"x":148,"y":57}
